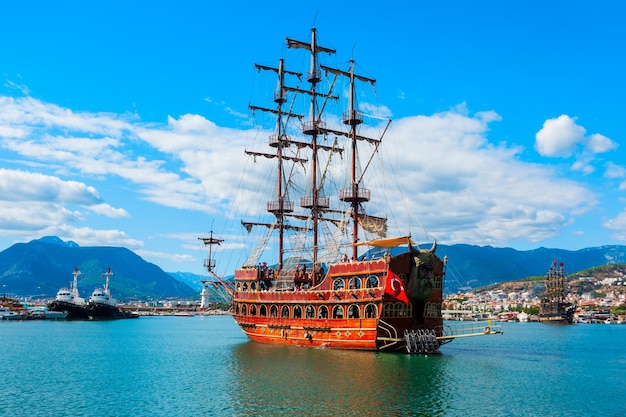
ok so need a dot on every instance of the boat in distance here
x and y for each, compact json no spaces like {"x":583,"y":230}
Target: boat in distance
{"x":554,"y":306}
{"x":100,"y":306}
{"x":68,"y":299}
{"x":336,"y":279}
{"x":43,"y":313}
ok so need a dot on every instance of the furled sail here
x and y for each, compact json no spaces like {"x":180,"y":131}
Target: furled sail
{"x":372,"y":224}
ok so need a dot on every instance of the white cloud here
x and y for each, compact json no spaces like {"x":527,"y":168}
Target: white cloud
{"x":165,"y":255}
{"x":470,"y":190}
{"x":618,"y":224}
{"x":563,"y":137}
{"x":598,"y":143}
{"x":559,"y":137}
{"x":23,"y":186}
{"x":86,"y":236}
{"x":30,"y":216}
{"x":614,"y":171}
{"x":19,"y":87}
{"x":462,"y":186}
{"x":109,"y":211}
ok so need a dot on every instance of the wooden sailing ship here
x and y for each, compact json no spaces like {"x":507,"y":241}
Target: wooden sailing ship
{"x":554,"y":307}
{"x":337,"y":281}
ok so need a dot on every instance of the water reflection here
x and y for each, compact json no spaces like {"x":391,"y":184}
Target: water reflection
{"x":280,"y":380}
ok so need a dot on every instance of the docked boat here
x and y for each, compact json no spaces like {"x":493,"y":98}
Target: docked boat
{"x":68,"y":300}
{"x":523,"y":317}
{"x":102,"y":306}
{"x":7,"y":314}
{"x":335,"y":279}
{"x":554,"y":306}
{"x":43,"y":313}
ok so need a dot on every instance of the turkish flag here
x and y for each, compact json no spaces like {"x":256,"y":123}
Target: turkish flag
{"x":395,"y":287}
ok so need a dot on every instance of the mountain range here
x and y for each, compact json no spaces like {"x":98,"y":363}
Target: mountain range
{"x":42,"y":266}
{"x":476,"y":266}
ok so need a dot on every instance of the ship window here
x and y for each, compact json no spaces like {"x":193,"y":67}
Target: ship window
{"x":353,"y":312}
{"x":371,"y":311}
{"x":237,"y":308}
{"x":389,"y":310}
{"x":253,"y":286}
{"x":273,"y":311}
{"x":244,"y":310}
{"x":323,"y":312}
{"x":263,"y":311}
{"x":338,"y":284}
{"x":372,"y":282}
{"x":427,"y":310}
{"x":404,"y":309}
{"x":432,"y":310}
{"x":238,"y":286}
{"x":437,"y":281}
{"x":245,"y":286}
{"x":284,"y":312}
{"x":253,"y":310}
{"x":310,"y":312}
{"x":297,"y":312}
{"x":338,"y":312}
{"x":355,"y":283}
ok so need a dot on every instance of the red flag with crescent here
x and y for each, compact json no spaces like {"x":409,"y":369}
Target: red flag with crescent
{"x":395,"y":287}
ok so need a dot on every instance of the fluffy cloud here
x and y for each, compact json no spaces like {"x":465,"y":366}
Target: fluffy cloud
{"x":453,"y":179}
{"x":559,"y":137}
{"x":562,"y":137}
{"x":618,"y":225}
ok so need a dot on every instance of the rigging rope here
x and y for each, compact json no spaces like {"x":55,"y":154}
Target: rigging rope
{"x":332,"y":251}
{"x":254,"y":257}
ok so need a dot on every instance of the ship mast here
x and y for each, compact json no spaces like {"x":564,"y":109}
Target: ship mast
{"x":280,"y":140}
{"x":107,"y":275}
{"x":356,"y":193}
{"x":209,"y":263}
{"x":314,"y":127}
{"x":555,"y":282}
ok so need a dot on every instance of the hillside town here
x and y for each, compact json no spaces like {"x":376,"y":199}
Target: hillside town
{"x":599,"y":293}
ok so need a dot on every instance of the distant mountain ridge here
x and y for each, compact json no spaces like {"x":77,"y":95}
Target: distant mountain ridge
{"x":477,"y":266}
{"x":42,"y":266}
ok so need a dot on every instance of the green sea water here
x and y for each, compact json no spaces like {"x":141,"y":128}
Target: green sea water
{"x":205,"y":366}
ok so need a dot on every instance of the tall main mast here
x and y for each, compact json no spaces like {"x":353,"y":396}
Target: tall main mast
{"x":313,"y":127}
{"x":356,"y":193}
{"x":281,"y":206}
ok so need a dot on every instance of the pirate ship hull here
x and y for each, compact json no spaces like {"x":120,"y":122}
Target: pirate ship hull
{"x":355,"y":306}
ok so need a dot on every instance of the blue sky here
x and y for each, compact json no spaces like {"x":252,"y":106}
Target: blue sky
{"x":124,"y":123}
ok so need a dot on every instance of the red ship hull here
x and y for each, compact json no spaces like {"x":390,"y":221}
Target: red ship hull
{"x":352,"y":307}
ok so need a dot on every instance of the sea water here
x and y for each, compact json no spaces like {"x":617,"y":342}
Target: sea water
{"x":205,"y":366}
